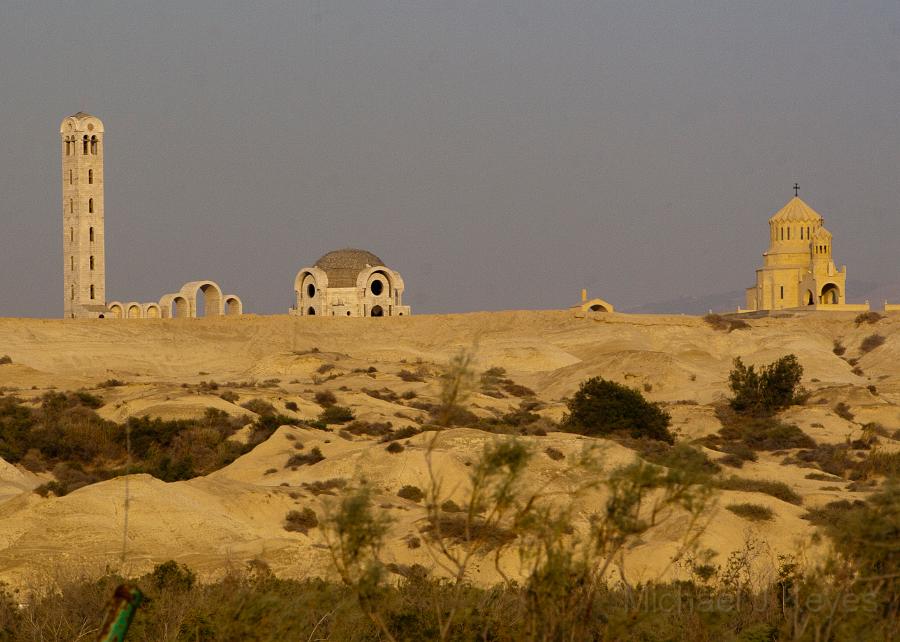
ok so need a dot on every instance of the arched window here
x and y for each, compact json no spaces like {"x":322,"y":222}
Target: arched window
{"x":92,"y":262}
{"x":91,"y":234}
{"x":71,"y":262}
{"x":90,"y":206}
{"x":85,"y":146}
{"x":782,"y":292}
{"x":789,"y":234}
{"x":72,"y":295}
{"x":70,"y":177}
{"x":92,"y":290}
{"x":72,"y":234}
{"x":90,"y":177}
{"x":782,"y":233}
{"x":71,"y":206}
{"x":93,"y":144}
{"x":68,"y":149}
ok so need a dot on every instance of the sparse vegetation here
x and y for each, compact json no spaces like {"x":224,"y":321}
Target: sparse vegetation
{"x":871,"y":342}
{"x":111,"y":383}
{"x":301,"y":521}
{"x":602,"y":407}
{"x":554,"y":453}
{"x":395,"y":447}
{"x":842,"y":410}
{"x":336,"y":415}
{"x":870,"y":317}
{"x":260,"y":407}
{"x":292,"y":406}
{"x":409,"y":376}
{"x":725,"y":324}
{"x":5,"y":359}
{"x":752,"y":512}
{"x":313,"y":456}
{"x":741,"y":434}
{"x":839,"y":349}
{"x":230,"y":396}
{"x":412,"y":493}
{"x":779,"y":490}
{"x":325,"y":398}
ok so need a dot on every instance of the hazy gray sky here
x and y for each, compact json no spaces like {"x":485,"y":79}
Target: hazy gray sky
{"x":500,"y":154}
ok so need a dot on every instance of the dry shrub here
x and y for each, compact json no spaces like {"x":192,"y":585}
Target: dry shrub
{"x":325,"y":398}
{"x":314,"y":456}
{"x":779,"y":490}
{"x":260,"y":407}
{"x":327,"y":487}
{"x":725,"y":324}
{"x":554,"y":454}
{"x":336,"y":415}
{"x":395,"y":448}
{"x":409,"y":376}
{"x":870,"y":317}
{"x":301,"y":521}
{"x":871,"y":342}
{"x":412,"y":493}
{"x":752,"y":512}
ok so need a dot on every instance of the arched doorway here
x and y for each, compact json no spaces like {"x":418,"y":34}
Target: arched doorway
{"x":134,"y":311}
{"x":233,"y":306}
{"x":311,"y":312}
{"x":810,"y":298}
{"x":377,"y":311}
{"x":830,"y":294}
{"x":179,"y":308}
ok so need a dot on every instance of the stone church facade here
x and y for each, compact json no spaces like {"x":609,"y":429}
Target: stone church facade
{"x":798,"y":270}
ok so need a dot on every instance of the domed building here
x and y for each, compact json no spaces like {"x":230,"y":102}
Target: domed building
{"x":798,"y":270}
{"x":349,"y":283}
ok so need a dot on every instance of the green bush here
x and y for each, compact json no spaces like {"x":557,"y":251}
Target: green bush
{"x":336,"y":415}
{"x":602,"y":407}
{"x":768,"y":390}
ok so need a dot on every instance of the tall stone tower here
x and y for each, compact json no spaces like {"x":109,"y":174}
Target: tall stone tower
{"x":84,"y":267}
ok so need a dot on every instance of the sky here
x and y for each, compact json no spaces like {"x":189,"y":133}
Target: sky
{"x":500,"y":154}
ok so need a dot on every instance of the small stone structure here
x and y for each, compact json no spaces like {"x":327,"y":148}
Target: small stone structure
{"x":84,"y":263}
{"x":349,"y":283}
{"x":798,"y":271}
{"x":590,"y":308}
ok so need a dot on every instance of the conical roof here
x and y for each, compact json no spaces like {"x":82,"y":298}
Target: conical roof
{"x":796,"y":210}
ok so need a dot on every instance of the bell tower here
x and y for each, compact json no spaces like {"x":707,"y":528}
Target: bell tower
{"x":84,"y":261}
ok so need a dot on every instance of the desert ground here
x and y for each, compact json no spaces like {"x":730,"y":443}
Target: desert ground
{"x":236,"y":514}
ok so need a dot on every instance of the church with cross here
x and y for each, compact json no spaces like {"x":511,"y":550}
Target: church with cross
{"x":798,"y":269}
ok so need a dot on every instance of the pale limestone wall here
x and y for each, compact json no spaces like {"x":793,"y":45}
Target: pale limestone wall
{"x":84,"y":258}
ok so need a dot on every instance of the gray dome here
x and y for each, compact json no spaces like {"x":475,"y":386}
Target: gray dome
{"x":343,"y":266}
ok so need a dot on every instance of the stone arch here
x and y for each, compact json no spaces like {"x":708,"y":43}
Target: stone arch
{"x":379,"y":283}
{"x":212,"y":298}
{"x":133,"y":311}
{"x":831,"y":294}
{"x":174,"y":306}
{"x":116,"y":310}
{"x":377,"y":311}
{"x":233,"y":306}
{"x":309,"y":290}
{"x":152,"y":311}
{"x":594,"y":307}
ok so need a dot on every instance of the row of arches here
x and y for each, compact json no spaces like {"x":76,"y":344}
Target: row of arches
{"x":89,"y":145}
{"x":194,"y":300}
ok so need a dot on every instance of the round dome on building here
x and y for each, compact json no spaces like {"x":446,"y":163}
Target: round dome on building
{"x":343,"y":266}
{"x":349,"y":283}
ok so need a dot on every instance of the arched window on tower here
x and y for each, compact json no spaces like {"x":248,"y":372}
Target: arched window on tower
{"x":72,"y":293}
{"x":91,"y":234}
{"x":93,"y":144}
{"x":85,"y":140}
{"x":90,"y":177}
{"x":92,"y":262}
{"x":72,"y":234}
{"x":90,"y":206}
{"x":71,"y":206}
{"x":72,"y":263}
{"x":68,"y":149}
{"x":92,"y":290}
{"x":70,"y":177}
